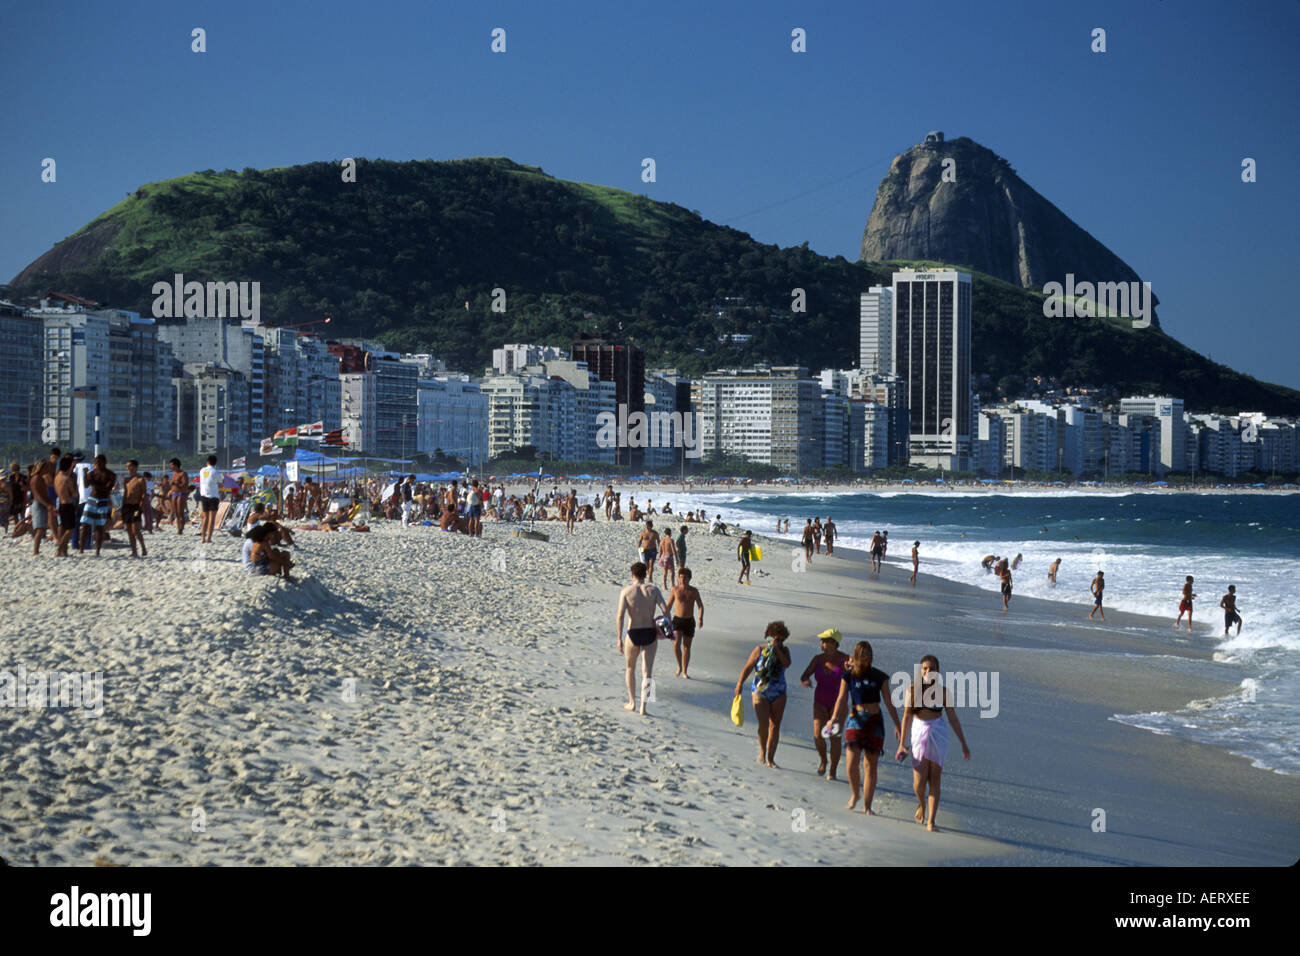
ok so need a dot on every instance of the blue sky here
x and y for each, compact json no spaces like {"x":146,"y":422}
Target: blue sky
{"x":1142,"y":145}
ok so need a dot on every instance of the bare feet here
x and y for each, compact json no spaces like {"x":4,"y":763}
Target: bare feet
{"x":630,"y":705}
{"x":931,"y":827}
{"x":772,"y":764}
{"x":821,"y":769}
{"x":920,"y":814}
{"x":868,"y":811}
{"x":853,"y":802}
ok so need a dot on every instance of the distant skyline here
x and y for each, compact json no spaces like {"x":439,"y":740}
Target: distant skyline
{"x":1141,"y":145}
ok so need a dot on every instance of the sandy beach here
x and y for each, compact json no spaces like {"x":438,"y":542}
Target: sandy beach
{"x":426,"y":698}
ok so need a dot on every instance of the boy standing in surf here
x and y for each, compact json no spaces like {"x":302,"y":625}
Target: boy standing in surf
{"x":1186,"y":605}
{"x":1098,"y":585}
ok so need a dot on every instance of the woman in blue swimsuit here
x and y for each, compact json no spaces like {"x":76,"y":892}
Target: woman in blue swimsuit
{"x":768,"y":661}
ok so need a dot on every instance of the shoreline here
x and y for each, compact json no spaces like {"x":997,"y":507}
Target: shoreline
{"x":486,"y":726}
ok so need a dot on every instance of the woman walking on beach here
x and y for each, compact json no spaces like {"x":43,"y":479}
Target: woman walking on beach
{"x":864,"y":732}
{"x":923,"y":713}
{"x":828,"y":668}
{"x":768,"y":661}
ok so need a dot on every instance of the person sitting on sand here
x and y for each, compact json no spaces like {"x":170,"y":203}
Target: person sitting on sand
{"x":827,"y":667}
{"x":769,"y":662}
{"x":264,"y":558}
{"x":923,"y":713}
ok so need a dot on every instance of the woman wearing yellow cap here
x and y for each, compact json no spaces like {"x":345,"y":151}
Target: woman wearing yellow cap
{"x":828,"y":668}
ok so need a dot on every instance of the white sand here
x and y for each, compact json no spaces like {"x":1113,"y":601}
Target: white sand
{"x":488,"y":728}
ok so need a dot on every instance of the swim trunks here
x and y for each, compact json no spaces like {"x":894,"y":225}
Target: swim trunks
{"x":865,"y":730}
{"x":40,"y":516}
{"x":1186,"y":605}
{"x":209,"y":504}
{"x":649,"y":557}
{"x":67,"y":515}
{"x":684,"y":626}
{"x":1230,"y":618}
{"x":130,"y":513}
{"x":96,"y":512}
{"x":642,"y":636}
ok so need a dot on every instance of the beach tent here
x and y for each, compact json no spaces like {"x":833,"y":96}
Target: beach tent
{"x":269,"y":471}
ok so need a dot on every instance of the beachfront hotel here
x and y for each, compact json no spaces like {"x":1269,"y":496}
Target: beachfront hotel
{"x":931,"y":339}
{"x":876,"y":328}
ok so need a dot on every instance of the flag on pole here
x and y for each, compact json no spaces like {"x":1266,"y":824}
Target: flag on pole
{"x":269,"y":447}
{"x":286,"y":438}
{"x":334,"y":437}
{"x":239,"y":463}
{"x":314,"y":430}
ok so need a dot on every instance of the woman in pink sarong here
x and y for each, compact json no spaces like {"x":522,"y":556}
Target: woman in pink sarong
{"x":923,"y":712}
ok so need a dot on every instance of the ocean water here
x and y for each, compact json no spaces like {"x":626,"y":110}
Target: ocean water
{"x":1147,"y":544}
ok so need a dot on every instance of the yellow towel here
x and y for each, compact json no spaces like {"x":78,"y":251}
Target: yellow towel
{"x":738,"y":711}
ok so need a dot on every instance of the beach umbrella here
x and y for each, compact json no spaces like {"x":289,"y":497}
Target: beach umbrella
{"x":230,"y":481}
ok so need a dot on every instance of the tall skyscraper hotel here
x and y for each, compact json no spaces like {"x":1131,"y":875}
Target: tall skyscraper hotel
{"x":930,"y":339}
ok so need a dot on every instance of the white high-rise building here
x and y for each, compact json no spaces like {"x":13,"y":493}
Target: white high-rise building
{"x":931,"y":338}
{"x":770,"y":415}
{"x":512,"y":358}
{"x":1167,"y":413}
{"x":453,"y":418}
{"x":876,"y":318}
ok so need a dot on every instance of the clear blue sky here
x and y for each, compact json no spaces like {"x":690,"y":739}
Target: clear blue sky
{"x":1141,"y":145}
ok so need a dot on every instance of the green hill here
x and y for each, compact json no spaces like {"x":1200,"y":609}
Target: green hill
{"x":396,"y":255}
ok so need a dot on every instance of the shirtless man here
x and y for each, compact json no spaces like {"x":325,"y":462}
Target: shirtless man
{"x":1186,"y":605}
{"x":744,"y":553}
{"x":571,"y":514}
{"x":916,"y":558}
{"x":1098,"y":585}
{"x":101,"y":482}
{"x":609,"y":501}
{"x":42,"y":504}
{"x":648,"y":545}
{"x":65,"y":489}
{"x":638,"y":603}
{"x":808,"y":540}
{"x":132,"y":504}
{"x":1006,"y":588}
{"x":877,"y":550}
{"x":684,"y":599}
{"x":1051,"y":572}
{"x":986,"y":562}
{"x":828,"y":530}
{"x":1229,"y":604}
{"x":178,"y":490}
{"x":667,"y":558}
